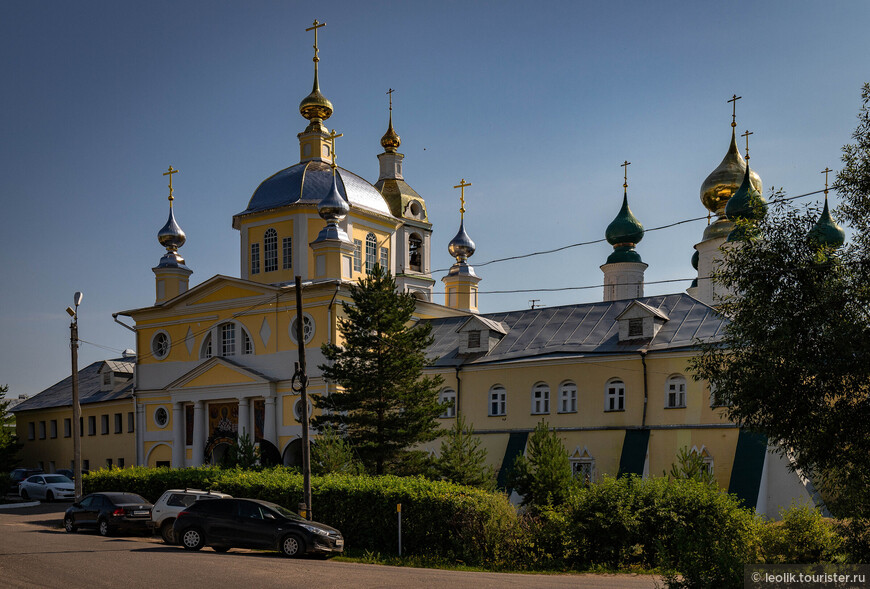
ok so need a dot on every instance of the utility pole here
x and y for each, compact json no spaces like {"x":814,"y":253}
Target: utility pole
{"x":300,"y":384}
{"x":77,"y":409}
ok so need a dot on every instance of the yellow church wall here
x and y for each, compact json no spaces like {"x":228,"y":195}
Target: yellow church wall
{"x":219,"y":375}
{"x":157,"y":452}
{"x":282,"y":223}
{"x":151,"y":406}
{"x":721,"y":444}
{"x":97,"y":448}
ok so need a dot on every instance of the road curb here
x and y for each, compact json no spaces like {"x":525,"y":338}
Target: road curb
{"x":17,"y":505}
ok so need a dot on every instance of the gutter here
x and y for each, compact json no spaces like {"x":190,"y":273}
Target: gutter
{"x":645,"y":388}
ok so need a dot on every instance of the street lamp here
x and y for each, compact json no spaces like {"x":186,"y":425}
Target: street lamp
{"x":77,"y":410}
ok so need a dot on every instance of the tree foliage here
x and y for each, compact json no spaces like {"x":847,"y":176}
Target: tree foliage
{"x":9,"y":445}
{"x":385,"y":405}
{"x":794,"y":361}
{"x":543,"y":475}
{"x":332,"y":453}
{"x":462,"y":460}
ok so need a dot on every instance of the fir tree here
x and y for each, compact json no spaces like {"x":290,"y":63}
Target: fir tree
{"x":462,"y":460}
{"x":384,"y":405}
{"x":543,"y":476}
{"x":333,"y":453}
{"x":9,"y":445}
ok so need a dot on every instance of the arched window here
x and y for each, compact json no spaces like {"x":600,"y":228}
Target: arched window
{"x":232,"y":339}
{"x":206,"y":350}
{"x":371,"y":252}
{"x":582,"y":465}
{"x":270,"y":247}
{"x":415,"y":253}
{"x":541,"y":399}
{"x":568,"y":397}
{"x":705,"y":456}
{"x":614,"y":395}
{"x":497,"y":401}
{"x":675,"y":391}
{"x":447,"y":398}
{"x":228,"y":339}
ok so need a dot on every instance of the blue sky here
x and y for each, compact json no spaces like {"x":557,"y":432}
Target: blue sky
{"x":536,"y":104}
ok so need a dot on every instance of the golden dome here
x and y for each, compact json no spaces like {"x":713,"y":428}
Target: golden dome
{"x":725,"y":179}
{"x":315,"y":106}
{"x":391,"y":140}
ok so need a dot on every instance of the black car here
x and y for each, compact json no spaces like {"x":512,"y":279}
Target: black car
{"x":251,"y":523}
{"x":67,"y":472}
{"x":109,"y":513}
{"x":18,"y":475}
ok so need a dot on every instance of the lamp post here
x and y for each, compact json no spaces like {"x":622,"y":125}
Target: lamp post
{"x":77,"y":410}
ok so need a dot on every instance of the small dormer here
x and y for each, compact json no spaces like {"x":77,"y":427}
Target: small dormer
{"x":116,"y":372}
{"x":479,"y":335}
{"x":640,"y":322}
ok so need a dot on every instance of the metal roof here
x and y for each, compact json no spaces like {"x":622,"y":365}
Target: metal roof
{"x":582,"y":329}
{"x":90,"y":383}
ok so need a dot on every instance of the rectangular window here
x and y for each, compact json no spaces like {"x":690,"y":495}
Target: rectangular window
{"x":228,"y":339}
{"x":270,"y":244}
{"x":120,"y":463}
{"x":131,"y":422}
{"x":385,"y":258}
{"x":86,"y":465}
{"x":104,"y":424}
{"x":635,"y":327}
{"x":81,"y":426}
{"x":51,"y":466}
{"x":67,"y":427}
{"x":287,"y":248}
{"x":41,"y":430}
{"x":448,"y":400}
{"x":188,"y":425}
{"x":568,"y":398}
{"x":92,"y":425}
{"x":31,"y":430}
{"x":107,"y":379}
{"x":255,"y":258}
{"x":371,"y":252}
{"x":357,"y":255}
{"x":582,"y":469}
{"x":498,"y":402}
{"x":119,"y":423}
{"x":474,"y":339}
{"x":108,"y":463}
{"x":52,"y":428}
{"x":615,"y":397}
{"x":541,"y":400}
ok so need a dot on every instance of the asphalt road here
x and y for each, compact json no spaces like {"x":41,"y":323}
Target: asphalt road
{"x":35,"y":551}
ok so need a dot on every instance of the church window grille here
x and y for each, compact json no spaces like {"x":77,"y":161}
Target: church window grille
{"x":447,"y":398}
{"x":160,"y":345}
{"x":228,"y":339}
{"x":614,"y":398}
{"x":255,"y":258}
{"x":635,"y":327}
{"x":307,"y":329}
{"x":385,"y":258}
{"x":270,"y":247}
{"x":371,"y":252}
{"x":287,"y":247}
{"x":474,"y":339}
{"x":675,"y":392}
{"x":541,"y":399}
{"x":568,"y":398}
{"x":497,"y":401}
{"x":415,"y":253}
{"x":357,"y":255}
{"x":583,"y":469}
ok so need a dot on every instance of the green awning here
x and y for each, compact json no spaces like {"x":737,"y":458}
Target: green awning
{"x":516,"y":445}
{"x":747,"y":467}
{"x":634,"y":449}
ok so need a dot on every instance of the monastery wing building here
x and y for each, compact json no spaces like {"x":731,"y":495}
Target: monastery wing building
{"x":216,"y":360}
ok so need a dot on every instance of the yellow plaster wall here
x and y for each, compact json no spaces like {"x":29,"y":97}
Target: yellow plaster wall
{"x":256,"y":234}
{"x":158,"y":451}
{"x":664,"y":446}
{"x":219,"y":375}
{"x":151,"y":406}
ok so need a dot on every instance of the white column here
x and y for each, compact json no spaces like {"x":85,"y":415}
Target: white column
{"x":244,"y":421}
{"x":269,"y":421}
{"x":177,"y":435}
{"x":198,"y":434}
{"x":140,"y":434}
{"x":252,"y":427}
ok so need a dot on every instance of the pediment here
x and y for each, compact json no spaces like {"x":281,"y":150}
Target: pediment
{"x":226,"y":291}
{"x":218,"y":372}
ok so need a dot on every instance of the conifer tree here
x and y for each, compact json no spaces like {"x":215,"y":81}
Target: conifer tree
{"x":543,"y":476}
{"x":462,"y":460}
{"x":9,"y":444}
{"x":384,"y":405}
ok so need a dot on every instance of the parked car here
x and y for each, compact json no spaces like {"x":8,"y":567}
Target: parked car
{"x":48,"y":487}
{"x":251,"y":523}
{"x":18,"y":475}
{"x":67,"y":472}
{"x":109,"y":513}
{"x":171,"y":503}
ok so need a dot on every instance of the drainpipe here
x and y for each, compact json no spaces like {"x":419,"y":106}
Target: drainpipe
{"x":645,"y":390}
{"x":458,"y":389}
{"x":329,"y":326}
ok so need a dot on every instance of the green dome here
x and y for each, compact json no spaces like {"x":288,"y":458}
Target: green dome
{"x":826,"y":232}
{"x":695,"y":259}
{"x":747,"y":203}
{"x":623,"y":233}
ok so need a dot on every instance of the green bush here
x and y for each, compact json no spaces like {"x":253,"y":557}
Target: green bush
{"x":856,"y":540}
{"x":438,"y":518}
{"x":803,"y":536}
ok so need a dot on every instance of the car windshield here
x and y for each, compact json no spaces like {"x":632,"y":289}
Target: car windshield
{"x":122,"y":498}
{"x":57,"y":478}
{"x":286,"y":512}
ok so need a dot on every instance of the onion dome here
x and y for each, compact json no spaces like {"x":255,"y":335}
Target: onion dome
{"x":725,"y":179}
{"x":391,"y":140}
{"x":461,"y":247}
{"x":747,"y":204}
{"x":315,"y":107}
{"x":171,"y":237}
{"x":826,"y":232}
{"x":623,"y":233}
{"x":333,"y":208}
{"x":695,"y":259}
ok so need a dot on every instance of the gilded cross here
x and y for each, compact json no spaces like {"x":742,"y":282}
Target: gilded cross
{"x":733,"y":102}
{"x":747,"y":134}
{"x":462,"y":185}
{"x":333,"y":136}
{"x":390,"y":92}
{"x":316,"y":26}
{"x":625,"y":165}
{"x":825,"y":172}
{"x":170,"y":173}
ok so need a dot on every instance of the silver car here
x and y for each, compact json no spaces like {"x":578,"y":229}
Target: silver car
{"x":47,"y":487}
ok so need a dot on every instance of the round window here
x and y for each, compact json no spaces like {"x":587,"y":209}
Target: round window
{"x":160,"y":345}
{"x":161,"y":417}
{"x":297,"y":409}
{"x":307,"y":328}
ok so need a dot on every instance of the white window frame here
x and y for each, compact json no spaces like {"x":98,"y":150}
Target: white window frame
{"x":675,"y":392}
{"x":371,"y":252}
{"x":568,"y":397}
{"x":270,"y":250}
{"x":584,"y":468}
{"x":255,"y":258}
{"x":287,"y":253}
{"x":447,"y":397}
{"x":357,"y":255}
{"x":415,"y":250}
{"x":497,"y":401}
{"x":541,"y":399}
{"x":227,"y":333}
{"x":308,"y":328}
{"x":385,"y":258}
{"x":614,"y":395}
{"x":161,"y":344}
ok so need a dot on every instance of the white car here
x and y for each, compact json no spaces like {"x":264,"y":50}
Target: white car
{"x":171,"y":503}
{"x":48,"y":487}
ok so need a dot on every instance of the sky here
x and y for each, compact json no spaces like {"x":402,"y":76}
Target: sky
{"x":536,"y":104}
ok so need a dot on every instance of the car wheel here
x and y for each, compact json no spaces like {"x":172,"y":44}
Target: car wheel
{"x":24,"y":494}
{"x":68,"y":524}
{"x":220,"y":548}
{"x":49,"y":496}
{"x":192,"y":539}
{"x":167,"y":532}
{"x":292,"y":545}
{"x":103,"y":527}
